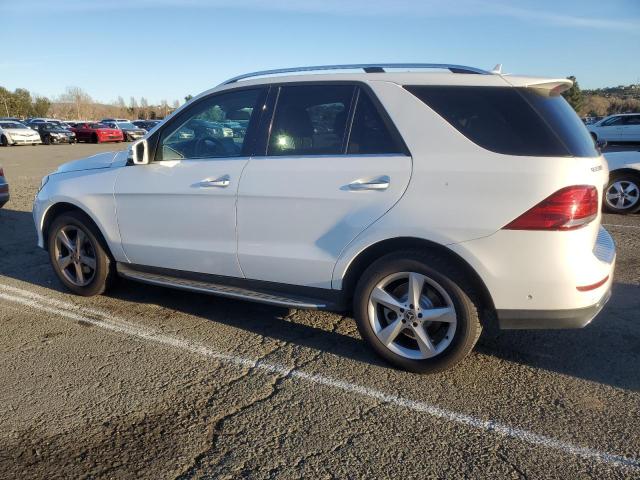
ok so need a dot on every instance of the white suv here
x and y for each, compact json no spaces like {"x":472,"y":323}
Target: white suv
{"x":429,"y":203}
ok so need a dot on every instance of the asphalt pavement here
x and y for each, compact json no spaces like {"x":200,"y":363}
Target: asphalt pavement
{"x":146,"y":382}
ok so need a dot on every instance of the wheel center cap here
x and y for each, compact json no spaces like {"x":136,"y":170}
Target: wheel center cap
{"x":410,"y":315}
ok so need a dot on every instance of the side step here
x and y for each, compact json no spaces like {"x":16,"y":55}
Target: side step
{"x":165,"y":280}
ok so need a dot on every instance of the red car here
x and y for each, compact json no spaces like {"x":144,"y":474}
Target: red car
{"x":96,"y":133}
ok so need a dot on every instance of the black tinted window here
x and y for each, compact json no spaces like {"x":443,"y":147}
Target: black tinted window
{"x":369,"y":133}
{"x":632,"y":120}
{"x":513,"y":121}
{"x":310,"y":120}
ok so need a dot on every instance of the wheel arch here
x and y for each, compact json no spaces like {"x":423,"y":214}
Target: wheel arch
{"x":625,"y":171}
{"x":57,"y":209}
{"x":373,"y":252}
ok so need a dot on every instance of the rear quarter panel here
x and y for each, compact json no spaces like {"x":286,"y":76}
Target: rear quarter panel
{"x":458,"y":190}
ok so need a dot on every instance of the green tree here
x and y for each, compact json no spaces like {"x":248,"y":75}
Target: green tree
{"x":188,"y":97}
{"x":574,"y":95}
{"x":41,"y":106}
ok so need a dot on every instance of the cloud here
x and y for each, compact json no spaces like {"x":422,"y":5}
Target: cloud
{"x":414,"y":8}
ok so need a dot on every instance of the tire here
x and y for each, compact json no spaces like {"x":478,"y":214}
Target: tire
{"x":594,"y":136}
{"x":93,"y":281}
{"x":94,"y":138}
{"x":47,"y":140}
{"x":446,"y":291}
{"x":4,"y":142}
{"x":622,"y":193}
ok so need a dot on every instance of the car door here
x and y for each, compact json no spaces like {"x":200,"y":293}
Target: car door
{"x":333,"y":165}
{"x":611,"y":129}
{"x":179,"y":211}
{"x":631,"y":128}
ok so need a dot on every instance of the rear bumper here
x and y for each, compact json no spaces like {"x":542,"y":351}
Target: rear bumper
{"x":550,"y":319}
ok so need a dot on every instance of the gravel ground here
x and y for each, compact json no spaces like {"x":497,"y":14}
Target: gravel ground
{"x":152,"y":383}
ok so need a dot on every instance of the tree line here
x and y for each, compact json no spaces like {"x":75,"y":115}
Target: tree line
{"x":77,"y":104}
{"x":603,"y":101}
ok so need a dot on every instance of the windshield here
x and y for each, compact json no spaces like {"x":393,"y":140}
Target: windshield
{"x":12,"y":125}
{"x":98,"y":125}
{"x":127,"y":125}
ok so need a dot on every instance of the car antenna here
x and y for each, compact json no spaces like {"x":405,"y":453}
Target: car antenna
{"x":497,"y":69}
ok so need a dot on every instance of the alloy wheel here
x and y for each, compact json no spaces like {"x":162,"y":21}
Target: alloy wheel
{"x":75,"y":255}
{"x":412,"y":315}
{"x":622,"y":195}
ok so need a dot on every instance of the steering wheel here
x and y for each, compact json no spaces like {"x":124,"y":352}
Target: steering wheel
{"x":204,"y":148}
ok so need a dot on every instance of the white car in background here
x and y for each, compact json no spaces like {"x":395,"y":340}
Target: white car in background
{"x":624,"y":127}
{"x":15,"y":133}
{"x":622,"y":193}
{"x":427,"y":203}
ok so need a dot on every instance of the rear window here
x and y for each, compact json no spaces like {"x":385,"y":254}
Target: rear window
{"x":511,"y":121}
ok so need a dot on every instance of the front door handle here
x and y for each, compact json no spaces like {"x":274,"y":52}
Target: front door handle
{"x":223,"y":181}
{"x":379,"y":183}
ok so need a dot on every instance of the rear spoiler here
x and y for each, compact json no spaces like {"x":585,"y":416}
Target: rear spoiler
{"x":553,"y":86}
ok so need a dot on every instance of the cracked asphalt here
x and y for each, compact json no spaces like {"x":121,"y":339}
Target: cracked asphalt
{"x":153,"y":383}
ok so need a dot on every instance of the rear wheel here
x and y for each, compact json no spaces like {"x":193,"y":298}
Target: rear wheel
{"x":47,"y":140}
{"x":78,"y":255}
{"x":622,"y":194}
{"x":417,"y":311}
{"x":4,"y":141}
{"x":94,"y":138}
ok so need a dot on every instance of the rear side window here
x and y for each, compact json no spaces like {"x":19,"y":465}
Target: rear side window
{"x":369,"y":133}
{"x":311,"y":120}
{"x":511,"y":121}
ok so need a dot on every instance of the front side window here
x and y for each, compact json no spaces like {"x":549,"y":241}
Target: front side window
{"x":214,"y":127}
{"x":612,"y":122}
{"x":310,"y":120}
{"x":511,"y":121}
{"x":632,"y":120}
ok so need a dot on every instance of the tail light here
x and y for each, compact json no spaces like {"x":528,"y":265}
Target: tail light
{"x":1,"y":172}
{"x":567,"y":209}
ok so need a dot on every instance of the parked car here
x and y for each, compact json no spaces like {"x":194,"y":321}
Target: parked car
{"x":54,"y":133}
{"x":129,"y":130}
{"x":622,"y":193}
{"x":624,"y":127}
{"x":15,"y":133}
{"x":4,"y":189}
{"x":146,"y":124}
{"x":426,"y":203}
{"x":97,"y":133}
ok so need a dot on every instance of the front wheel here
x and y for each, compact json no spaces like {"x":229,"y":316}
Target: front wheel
{"x":622,"y":194}
{"x":3,"y":141}
{"x":417,"y":311}
{"x":78,"y":255}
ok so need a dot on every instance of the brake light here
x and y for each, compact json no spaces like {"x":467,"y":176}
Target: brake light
{"x":1,"y":172}
{"x":567,"y":209}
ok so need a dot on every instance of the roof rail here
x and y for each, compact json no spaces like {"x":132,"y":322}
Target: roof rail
{"x":367,"y":67}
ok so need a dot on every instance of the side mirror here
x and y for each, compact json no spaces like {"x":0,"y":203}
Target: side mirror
{"x":139,"y":152}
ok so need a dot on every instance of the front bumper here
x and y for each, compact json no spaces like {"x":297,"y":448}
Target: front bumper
{"x":25,"y":141}
{"x":4,"y":194}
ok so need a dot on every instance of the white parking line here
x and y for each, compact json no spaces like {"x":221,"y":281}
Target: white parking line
{"x":620,"y":226}
{"x":108,"y":321}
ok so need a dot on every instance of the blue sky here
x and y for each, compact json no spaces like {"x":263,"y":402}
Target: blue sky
{"x":165,"y":49}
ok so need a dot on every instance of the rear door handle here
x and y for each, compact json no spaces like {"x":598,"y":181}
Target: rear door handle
{"x":379,"y":183}
{"x":223,"y":181}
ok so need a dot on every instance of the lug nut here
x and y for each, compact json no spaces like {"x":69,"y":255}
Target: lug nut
{"x":415,"y":324}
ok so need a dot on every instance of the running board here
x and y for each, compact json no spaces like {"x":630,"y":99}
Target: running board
{"x":218,"y":289}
